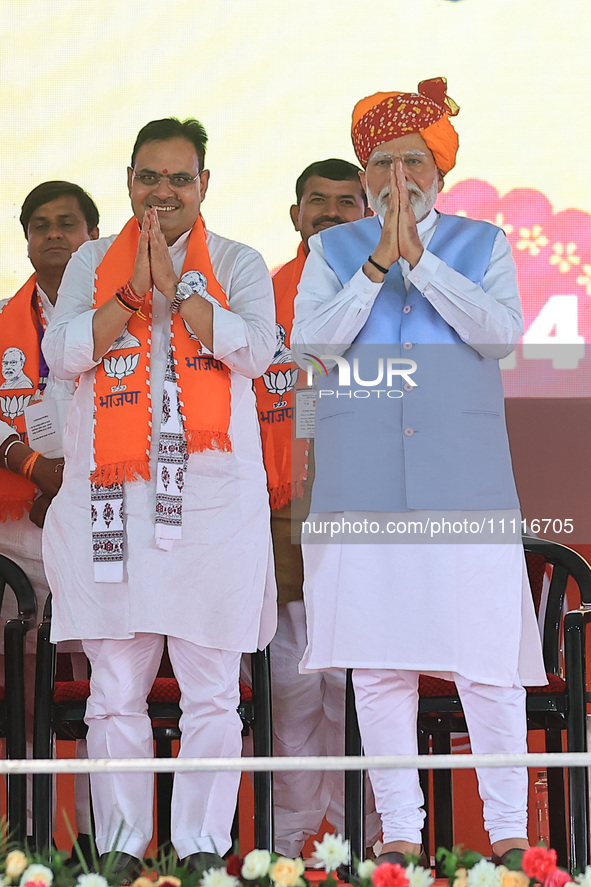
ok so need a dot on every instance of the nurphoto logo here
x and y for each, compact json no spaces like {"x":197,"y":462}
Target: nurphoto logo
{"x":389,"y":371}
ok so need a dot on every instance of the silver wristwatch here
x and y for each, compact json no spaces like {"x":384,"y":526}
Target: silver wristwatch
{"x":183,"y":292}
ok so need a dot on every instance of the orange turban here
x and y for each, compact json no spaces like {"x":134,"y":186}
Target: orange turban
{"x":389,"y":115}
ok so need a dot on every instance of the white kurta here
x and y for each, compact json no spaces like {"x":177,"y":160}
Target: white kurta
{"x":215,"y":587}
{"x":20,"y":540}
{"x":437,"y":608}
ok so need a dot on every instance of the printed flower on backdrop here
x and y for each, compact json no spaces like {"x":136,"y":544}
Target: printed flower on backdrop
{"x":538,"y":862}
{"x":532,"y":239}
{"x":16,"y":863}
{"x":389,"y":874}
{"x":36,"y":876}
{"x":332,"y":852}
{"x":287,"y":872}
{"x":256,"y":865}
{"x":564,"y":256}
{"x":584,"y":279}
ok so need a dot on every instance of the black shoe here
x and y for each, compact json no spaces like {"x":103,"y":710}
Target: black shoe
{"x":203,"y":860}
{"x":511,"y":859}
{"x":396,"y":857}
{"x":116,"y":862}
{"x":86,"y":847}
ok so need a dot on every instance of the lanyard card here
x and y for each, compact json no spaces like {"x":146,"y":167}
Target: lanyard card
{"x":43,"y":429}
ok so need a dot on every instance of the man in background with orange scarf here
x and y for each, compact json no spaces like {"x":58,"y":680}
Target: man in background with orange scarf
{"x":438,"y":294}
{"x":161,"y":527}
{"x":57,"y":217}
{"x":308,"y":709}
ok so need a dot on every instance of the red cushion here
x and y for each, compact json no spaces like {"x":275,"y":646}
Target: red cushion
{"x":430,"y":687}
{"x":164,"y":690}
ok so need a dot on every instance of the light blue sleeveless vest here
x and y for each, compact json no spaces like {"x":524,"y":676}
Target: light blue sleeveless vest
{"x":443,"y":444}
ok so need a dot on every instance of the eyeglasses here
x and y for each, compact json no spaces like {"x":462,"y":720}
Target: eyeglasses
{"x":175,"y":180}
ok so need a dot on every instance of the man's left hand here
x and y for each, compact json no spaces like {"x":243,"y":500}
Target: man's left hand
{"x":409,"y":242}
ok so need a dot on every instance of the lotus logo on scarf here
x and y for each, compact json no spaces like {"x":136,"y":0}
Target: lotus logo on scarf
{"x":120,"y":367}
{"x":280,"y":383}
{"x":14,"y":406}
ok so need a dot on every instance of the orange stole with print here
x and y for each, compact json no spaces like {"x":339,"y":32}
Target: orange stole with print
{"x":123,"y":412}
{"x":275,"y":421}
{"x":19,"y":329}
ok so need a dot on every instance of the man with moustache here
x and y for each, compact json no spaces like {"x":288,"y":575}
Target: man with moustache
{"x":308,"y":709}
{"x":57,"y":217}
{"x":440,"y":291}
{"x":161,"y":527}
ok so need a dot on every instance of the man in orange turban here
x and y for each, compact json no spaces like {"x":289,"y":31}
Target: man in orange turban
{"x":390,"y":464}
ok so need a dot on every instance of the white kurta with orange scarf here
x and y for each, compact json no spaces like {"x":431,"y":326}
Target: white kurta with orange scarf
{"x":215,"y":587}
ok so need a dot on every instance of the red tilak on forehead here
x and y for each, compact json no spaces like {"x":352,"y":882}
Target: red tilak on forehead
{"x":164,"y":171}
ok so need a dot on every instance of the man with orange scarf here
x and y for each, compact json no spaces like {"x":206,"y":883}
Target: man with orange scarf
{"x":161,"y":527}
{"x":57,"y":217}
{"x":308,"y":710}
{"x":438,"y":296}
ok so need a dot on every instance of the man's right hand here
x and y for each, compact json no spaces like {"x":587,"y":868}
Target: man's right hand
{"x":39,"y":510}
{"x":48,"y":474}
{"x":141,"y":281}
{"x":388,"y":249}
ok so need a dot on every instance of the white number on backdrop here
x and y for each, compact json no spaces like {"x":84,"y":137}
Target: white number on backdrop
{"x":554,"y":334}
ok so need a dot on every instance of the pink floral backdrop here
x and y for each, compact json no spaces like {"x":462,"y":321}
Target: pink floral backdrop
{"x":552,"y":252}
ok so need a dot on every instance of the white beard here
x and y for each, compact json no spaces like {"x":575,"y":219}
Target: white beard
{"x":422,"y":202}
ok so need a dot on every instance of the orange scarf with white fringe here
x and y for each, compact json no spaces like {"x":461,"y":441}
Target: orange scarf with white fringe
{"x":285,"y":458}
{"x":122,"y":397}
{"x":19,"y":328}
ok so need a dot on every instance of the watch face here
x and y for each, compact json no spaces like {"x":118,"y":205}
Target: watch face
{"x":183,"y":289}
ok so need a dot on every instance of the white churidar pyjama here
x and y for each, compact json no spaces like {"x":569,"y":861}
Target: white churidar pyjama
{"x":387,"y":702}
{"x":123,"y":672}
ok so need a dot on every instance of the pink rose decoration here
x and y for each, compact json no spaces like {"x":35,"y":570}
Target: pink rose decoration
{"x":388,"y":874}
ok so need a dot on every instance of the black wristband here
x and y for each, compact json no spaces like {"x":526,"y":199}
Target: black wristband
{"x":125,"y":304}
{"x":375,"y":264}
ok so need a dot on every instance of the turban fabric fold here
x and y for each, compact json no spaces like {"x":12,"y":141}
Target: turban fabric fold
{"x":390,"y":115}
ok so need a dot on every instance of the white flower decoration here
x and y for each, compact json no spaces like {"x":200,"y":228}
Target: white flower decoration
{"x":218,"y":878}
{"x":38,"y":874}
{"x":418,"y":876}
{"x":584,"y":879}
{"x":484,"y":874}
{"x":91,"y":880}
{"x":256,"y":865}
{"x":366,"y":869}
{"x":332,"y":852}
